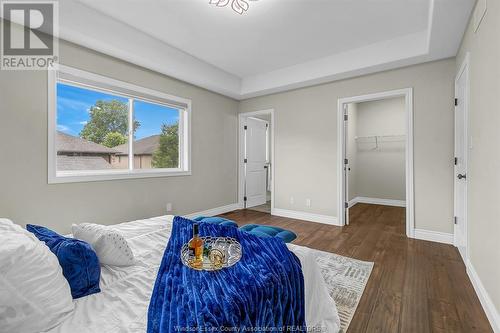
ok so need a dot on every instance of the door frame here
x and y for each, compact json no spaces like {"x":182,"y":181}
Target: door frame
{"x":407,"y":93}
{"x":241,"y":150}
{"x":464,"y":69}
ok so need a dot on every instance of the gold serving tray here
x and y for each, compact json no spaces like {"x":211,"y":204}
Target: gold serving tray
{"x":218,"y":253}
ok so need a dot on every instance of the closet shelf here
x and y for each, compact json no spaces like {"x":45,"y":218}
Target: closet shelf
{"x":376,"y":140}
{"x":382,"y":138}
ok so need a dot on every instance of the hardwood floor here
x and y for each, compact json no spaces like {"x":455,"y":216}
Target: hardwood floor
{"x":415,"y":286}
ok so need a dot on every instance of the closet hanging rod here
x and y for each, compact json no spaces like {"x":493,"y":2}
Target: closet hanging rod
{"x":380,"y":136}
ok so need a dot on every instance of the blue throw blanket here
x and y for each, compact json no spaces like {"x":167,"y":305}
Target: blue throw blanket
{"x":263,"y":291}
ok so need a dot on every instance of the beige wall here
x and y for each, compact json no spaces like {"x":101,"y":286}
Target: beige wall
{"x":25,"y":196}
{"x":306,"y":140}
{"x":380,"y":172}
{"x":120,"y":162}
{"x":143,"y":161}
{"x":140,"y":161}
{"x":484,"y":156}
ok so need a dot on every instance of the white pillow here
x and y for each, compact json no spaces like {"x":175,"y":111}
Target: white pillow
{"x":109,"y":244}
{"x":34,"y":295}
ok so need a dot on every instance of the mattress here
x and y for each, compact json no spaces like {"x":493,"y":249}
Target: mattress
{"x":122,"y":304}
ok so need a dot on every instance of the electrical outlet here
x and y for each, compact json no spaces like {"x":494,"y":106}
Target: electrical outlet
{"x":169,"y":207}
{"x":308,"y":202}
{"x":292,"y":201}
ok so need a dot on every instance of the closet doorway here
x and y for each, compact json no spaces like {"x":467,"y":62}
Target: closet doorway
{"x":375,"y":152}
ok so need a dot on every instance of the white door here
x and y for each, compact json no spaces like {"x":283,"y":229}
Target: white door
{"x":255,"y":162}
{"x":461,"y":162}
{"x":346,"y":165}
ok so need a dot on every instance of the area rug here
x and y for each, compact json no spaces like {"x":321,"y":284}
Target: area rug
{"x":346,"y":279}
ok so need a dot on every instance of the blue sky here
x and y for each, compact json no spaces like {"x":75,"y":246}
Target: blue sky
{"x":151,"y":117}
{"x":73,"y":104}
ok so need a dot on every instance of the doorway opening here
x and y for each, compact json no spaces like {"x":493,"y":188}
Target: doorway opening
{"x":375,"y":153}
{"x":256,"y":160}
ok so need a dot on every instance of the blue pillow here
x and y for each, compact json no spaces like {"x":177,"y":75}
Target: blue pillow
{"x":266,"y":231}
{"x":216,"y":220}
{"x":78,"y":260}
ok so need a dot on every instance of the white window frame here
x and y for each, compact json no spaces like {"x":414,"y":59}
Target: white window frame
{"x":60,"y":73}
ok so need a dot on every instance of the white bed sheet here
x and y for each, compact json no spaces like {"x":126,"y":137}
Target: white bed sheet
{"x":122,"y":304}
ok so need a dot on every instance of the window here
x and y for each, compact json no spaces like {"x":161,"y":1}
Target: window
{"x":101,"y":129}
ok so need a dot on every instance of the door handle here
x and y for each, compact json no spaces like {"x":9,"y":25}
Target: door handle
{"x":460,"y":176}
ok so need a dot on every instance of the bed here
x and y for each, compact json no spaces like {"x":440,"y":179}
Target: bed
{"x":122,"y":305}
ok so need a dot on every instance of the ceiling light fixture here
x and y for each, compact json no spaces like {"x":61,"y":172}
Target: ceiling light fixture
{"x":239,"y":6}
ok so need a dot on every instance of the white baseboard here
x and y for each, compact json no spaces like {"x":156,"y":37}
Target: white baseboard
{"x":484,"y":298}
{"x":433,"y":236}
{"x":293,"y":214}
{"x":276,"y":211}
{"x":377,"y":201}
{"x":215,"y":211}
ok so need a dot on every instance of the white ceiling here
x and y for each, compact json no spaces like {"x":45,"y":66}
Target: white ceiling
{"x":272,"y":34}
{"x":275,"y":45}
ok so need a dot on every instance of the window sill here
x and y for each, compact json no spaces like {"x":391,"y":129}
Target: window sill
{"x":95,"y":176}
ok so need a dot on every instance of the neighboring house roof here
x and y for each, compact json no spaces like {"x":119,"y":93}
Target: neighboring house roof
{"x":65,"y":163}
{"x":66,"y":143}
{"x":144,"y":146}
